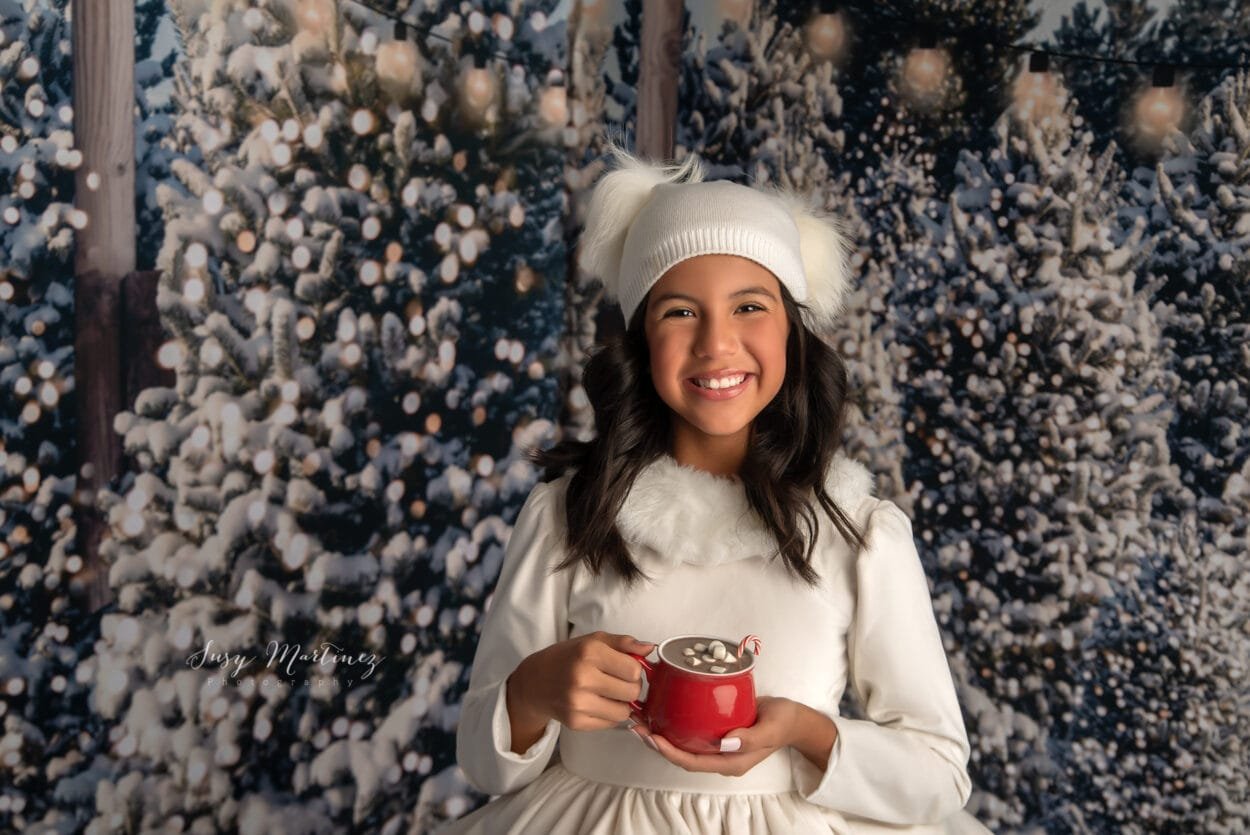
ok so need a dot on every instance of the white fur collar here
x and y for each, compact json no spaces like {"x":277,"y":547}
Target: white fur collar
{"x":690,"y":515}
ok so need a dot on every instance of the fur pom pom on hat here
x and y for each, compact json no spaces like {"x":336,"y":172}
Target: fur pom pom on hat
{"x":644,"y":218}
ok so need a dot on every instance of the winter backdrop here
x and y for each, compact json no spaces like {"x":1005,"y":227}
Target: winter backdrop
{"x":365,"y":246}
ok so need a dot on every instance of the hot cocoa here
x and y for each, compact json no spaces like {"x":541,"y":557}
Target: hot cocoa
{"x":705,"y":655}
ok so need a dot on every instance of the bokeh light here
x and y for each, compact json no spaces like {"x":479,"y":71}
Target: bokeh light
{"x":924,"y":75}
{"x":826,"y":37}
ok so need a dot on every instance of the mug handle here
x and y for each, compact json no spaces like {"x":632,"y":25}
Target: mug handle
{"x":647,"y":670}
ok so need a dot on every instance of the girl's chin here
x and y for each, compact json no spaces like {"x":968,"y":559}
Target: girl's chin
{"x":698,"y":422}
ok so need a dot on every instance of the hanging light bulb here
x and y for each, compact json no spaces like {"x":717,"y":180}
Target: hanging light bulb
{"x":478,"y":86}
{"x":826,"y":33}
{"x":1159,"y":110}
{"x":925,"y":71}
{"x":554,"y":105}
{"x":1035,"y":94}
{"x":399,"y":66}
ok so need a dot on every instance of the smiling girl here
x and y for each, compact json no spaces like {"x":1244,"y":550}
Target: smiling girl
{"x":713,"y":500}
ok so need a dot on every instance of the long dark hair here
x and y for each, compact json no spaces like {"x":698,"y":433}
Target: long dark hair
{"x":793,"y":440}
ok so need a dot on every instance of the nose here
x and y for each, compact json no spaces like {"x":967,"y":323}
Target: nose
{"x":716,"y":336}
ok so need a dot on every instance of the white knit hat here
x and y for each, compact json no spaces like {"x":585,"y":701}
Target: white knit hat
{"x":644,"y":218}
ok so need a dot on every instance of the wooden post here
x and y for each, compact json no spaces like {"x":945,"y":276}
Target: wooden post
{"x":104,"y":130}
{"x":657,"y":78}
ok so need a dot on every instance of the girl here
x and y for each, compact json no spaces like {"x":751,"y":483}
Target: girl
{"x":718,"y":416}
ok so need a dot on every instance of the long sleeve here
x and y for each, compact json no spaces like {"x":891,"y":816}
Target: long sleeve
{"x":906,"y":763}
{"x":528,"y":611}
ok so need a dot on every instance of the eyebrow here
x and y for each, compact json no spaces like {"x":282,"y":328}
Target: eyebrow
{"x":762,"y":291}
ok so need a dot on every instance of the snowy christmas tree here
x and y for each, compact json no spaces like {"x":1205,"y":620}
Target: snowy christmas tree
{"x":1037,"y":435}
{"x":895,"y":212}
{"x":361,"y":275}
{"x":153,"y":125}
{"x":1198,"y":206}
{"x":47,"y":729}
{"x":788,"y":142}
{"x":45,"y":767}
{"x":37,"y":224}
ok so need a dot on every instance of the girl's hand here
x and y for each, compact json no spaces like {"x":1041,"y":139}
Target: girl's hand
{"x":775,"y":721}
{"x":586,"y":683}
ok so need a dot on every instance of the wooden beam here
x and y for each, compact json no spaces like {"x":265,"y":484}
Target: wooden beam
{"x":657,"y":78}
{"x":104,"y":130}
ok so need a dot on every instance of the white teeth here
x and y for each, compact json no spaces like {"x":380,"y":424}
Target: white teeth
{"x":726,"y":383}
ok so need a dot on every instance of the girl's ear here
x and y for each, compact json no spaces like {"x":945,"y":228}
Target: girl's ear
{"x":617,"y":199}
{"x":824,"y":248}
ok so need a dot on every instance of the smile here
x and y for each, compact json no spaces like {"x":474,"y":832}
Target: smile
{"x":718,"y":394}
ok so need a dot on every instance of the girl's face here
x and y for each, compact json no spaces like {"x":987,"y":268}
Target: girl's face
{"x":721,"y":316}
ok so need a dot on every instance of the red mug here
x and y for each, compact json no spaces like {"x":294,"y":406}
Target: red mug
{"x":693,"y":709}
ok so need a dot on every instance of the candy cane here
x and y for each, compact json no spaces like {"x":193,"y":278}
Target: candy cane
{"x":743,"y":643}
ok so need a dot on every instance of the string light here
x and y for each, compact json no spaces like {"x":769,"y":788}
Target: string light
{"x":1035,"y":93}
{"x":399,"y":66}
{"x":1160,"y":108}
{"x":554,"y":103}
{"x":925,"y":72}
{"x":478,"y":85}
{"x":826,"y":33}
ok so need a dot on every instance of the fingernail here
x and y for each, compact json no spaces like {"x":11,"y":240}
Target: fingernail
{"x":652,"y":743}
{"x":729,"y":744}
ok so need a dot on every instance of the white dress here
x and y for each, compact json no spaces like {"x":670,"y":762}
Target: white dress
{"x":871,"y":619}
